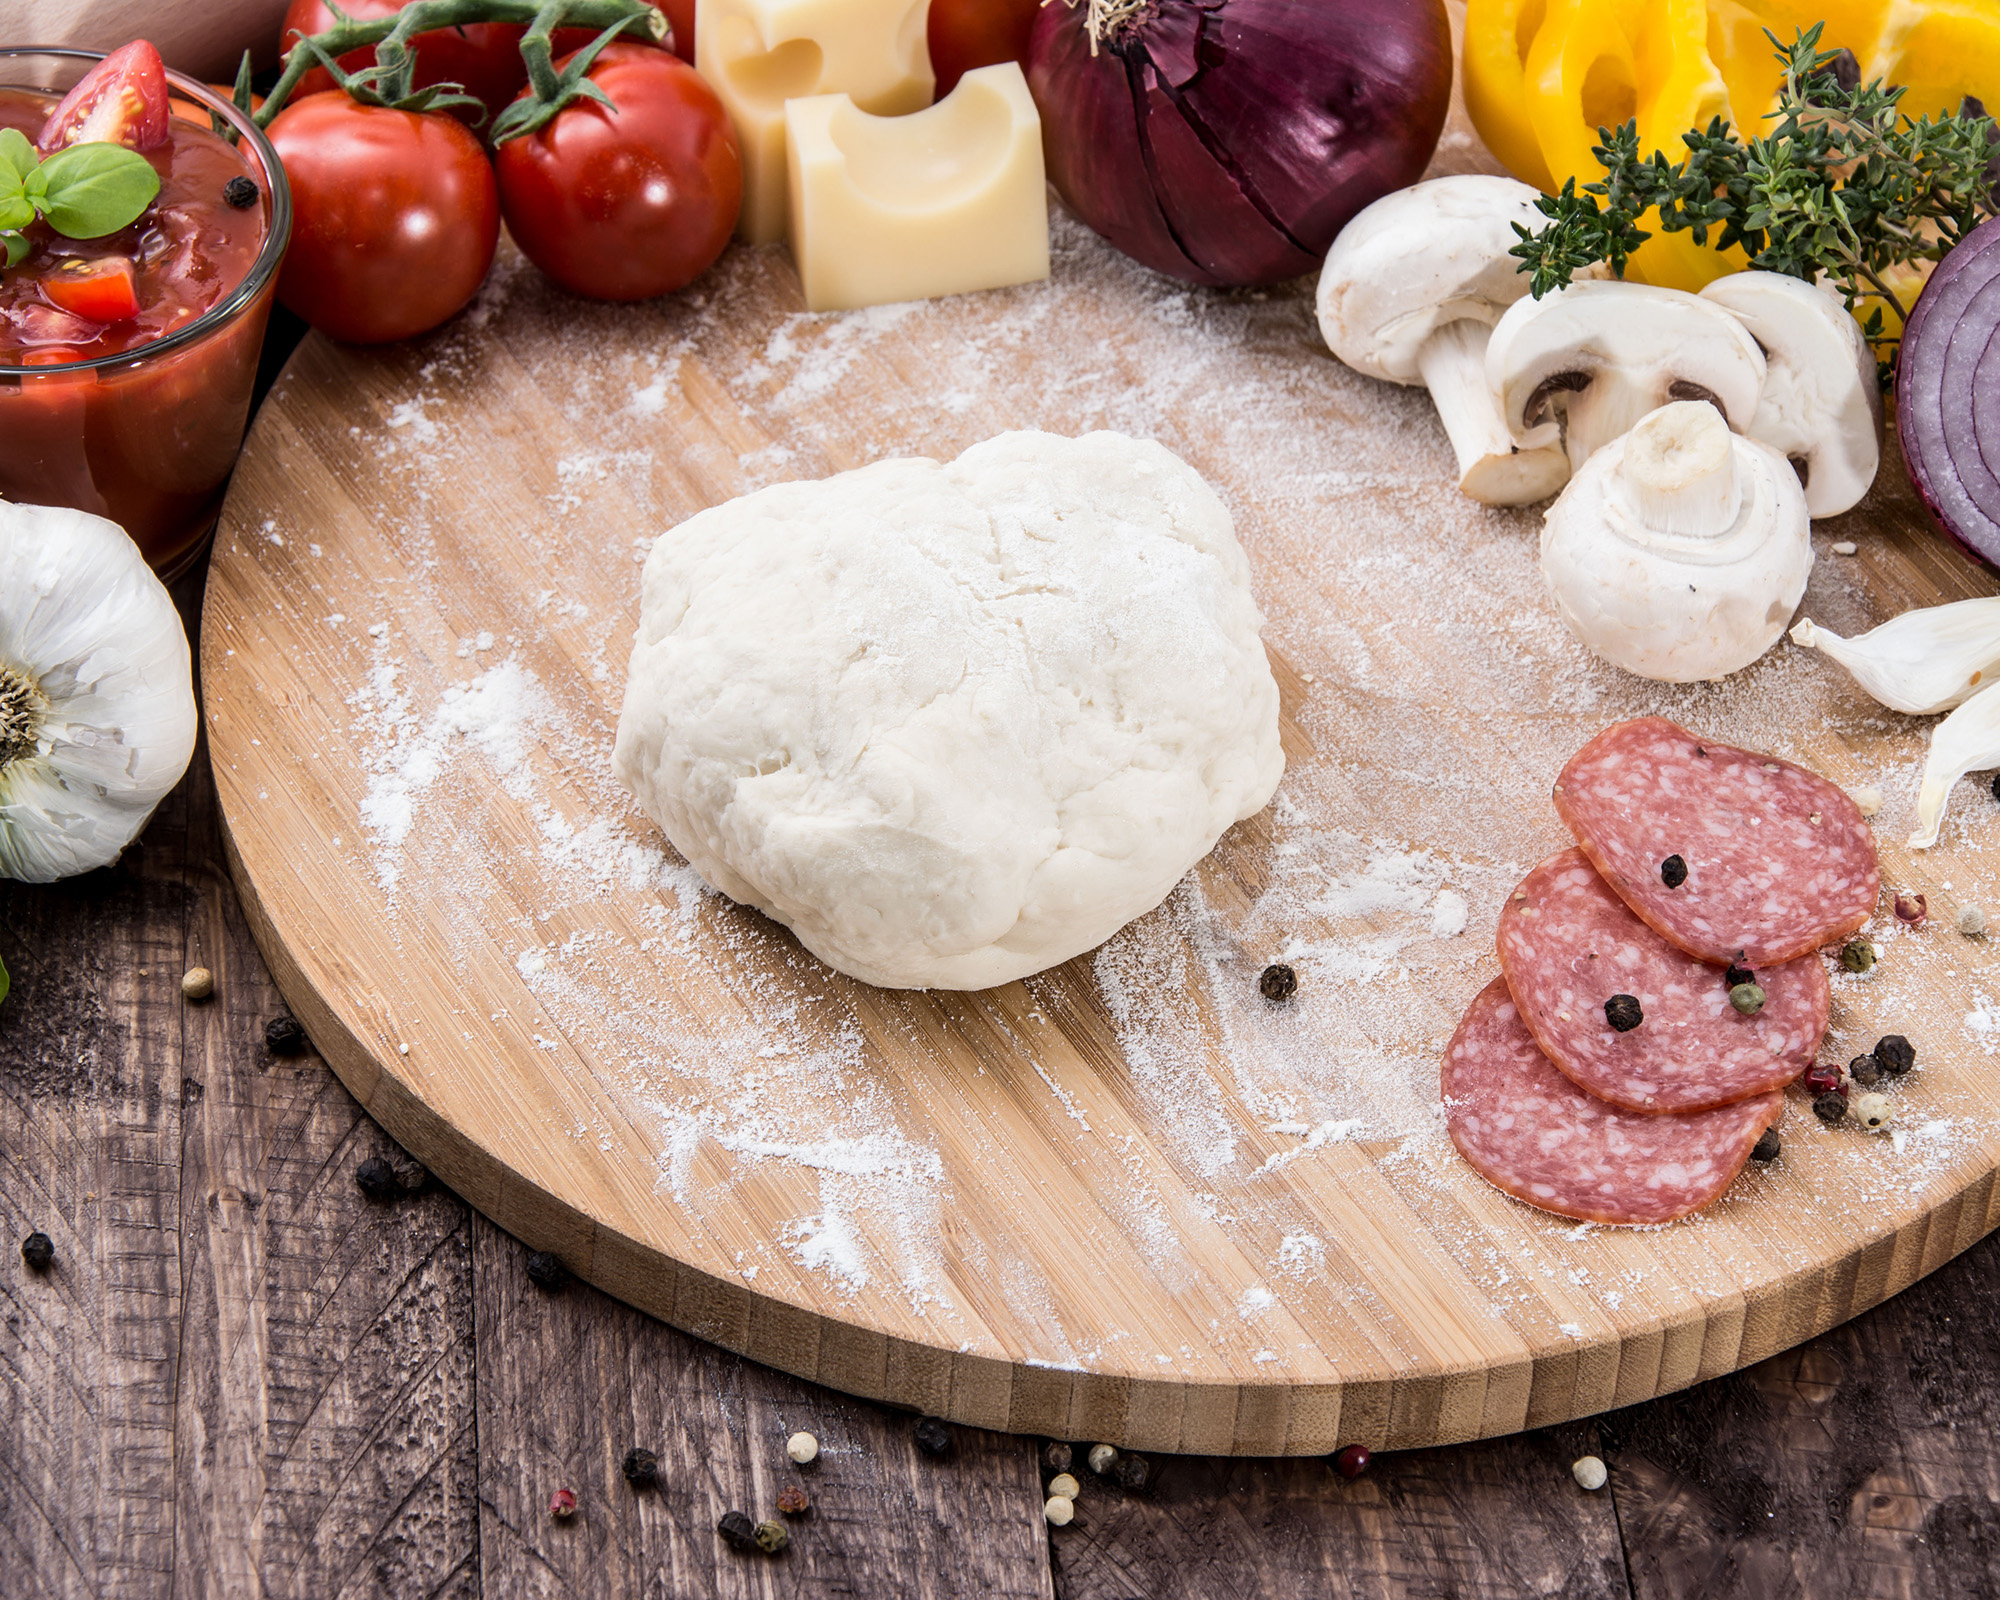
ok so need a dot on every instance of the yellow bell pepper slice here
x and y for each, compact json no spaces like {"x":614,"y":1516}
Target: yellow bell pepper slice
{"x":1598,"y":63}
{"x":1748,"y":60}
{"x":1940,"y":51}
{"x":1498,"y":35}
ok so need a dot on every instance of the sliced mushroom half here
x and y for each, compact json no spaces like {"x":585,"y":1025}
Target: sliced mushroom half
{"x":1599,"y":356}
{"x":1821,"y":405}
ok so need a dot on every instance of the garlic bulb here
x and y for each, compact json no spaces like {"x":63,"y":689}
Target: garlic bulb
{"x":1966,"y":741}
{"x":1926,"y":660}
{"x":97,"y":714}
{"x":1679,"y":550}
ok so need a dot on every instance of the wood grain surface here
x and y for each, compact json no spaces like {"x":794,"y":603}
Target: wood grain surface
{"x":1862,"y":1463}
{"x":1127,"y":1198}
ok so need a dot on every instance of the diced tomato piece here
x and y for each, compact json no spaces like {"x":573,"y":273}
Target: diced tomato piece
{"x":121,"y":100}
{"x":104,"y":291}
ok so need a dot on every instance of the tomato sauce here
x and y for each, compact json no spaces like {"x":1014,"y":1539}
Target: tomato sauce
{"x":147,"y":442}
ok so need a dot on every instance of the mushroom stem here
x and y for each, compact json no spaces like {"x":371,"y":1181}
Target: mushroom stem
{"x":1680,"y":470}
{"x":1491,"y":467}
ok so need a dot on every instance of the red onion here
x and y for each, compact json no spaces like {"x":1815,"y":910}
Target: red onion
{"x":1948,"y":394}
{"x":1228,"y":141}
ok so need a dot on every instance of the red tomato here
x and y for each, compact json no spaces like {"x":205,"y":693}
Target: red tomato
{"x":485,"y":57}
{"x":977,"y":33}
{"x":394,"y":217}
{"x":104,"y":291}
{"x":626,"y":203}
{"x":121,"y":100}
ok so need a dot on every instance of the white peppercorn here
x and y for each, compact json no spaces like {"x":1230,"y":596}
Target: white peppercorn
{"x":1102,"y":1458}
{"x":1064,"y":1487}
{"x":802,"y":1447}
{"x":1589,"y":1472}
{"x":1058,"y":1511}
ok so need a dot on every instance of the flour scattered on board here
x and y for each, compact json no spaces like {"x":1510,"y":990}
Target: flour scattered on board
{"x":1217,"y":1109}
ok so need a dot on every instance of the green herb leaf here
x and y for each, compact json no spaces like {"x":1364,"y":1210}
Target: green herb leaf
{"x":16,"y":154}
{"x":16,"y":210}
{"x":17,"y":247}
{"x":90,"y":190}
{"x":5,"y":982}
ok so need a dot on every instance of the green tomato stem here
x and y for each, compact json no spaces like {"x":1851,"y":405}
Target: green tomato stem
{"x":391,"y":36}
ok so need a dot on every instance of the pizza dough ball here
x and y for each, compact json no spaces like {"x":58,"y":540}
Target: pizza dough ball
{"x":953,"y":724}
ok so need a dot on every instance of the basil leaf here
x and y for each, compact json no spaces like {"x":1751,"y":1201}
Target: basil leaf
{"x":16,"y":154}
{"x":16,"y":209}
{"x":17,"y":247}
{"x":5,"y":983}
{"x":90,"y":190}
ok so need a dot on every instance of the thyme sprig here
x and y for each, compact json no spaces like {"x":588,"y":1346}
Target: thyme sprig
{"x":1844,"y":187}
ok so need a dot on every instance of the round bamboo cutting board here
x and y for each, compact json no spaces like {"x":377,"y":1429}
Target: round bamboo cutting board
{"x":1129,"y":1199}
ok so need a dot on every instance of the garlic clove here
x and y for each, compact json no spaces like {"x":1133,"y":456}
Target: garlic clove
{"x":1926,"y":660}
{"x":97,"y":712}
{"x":1966,"y":741}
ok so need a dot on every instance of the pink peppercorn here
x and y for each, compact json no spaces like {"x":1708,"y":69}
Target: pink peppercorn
{"x":1912,"y":908}
{"x":562,"y":1504}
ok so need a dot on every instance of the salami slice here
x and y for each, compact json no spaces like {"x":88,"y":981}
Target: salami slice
{"x":1530,"y":1131}
{"x":1568,"y":945}
{"x":1774,"y":861}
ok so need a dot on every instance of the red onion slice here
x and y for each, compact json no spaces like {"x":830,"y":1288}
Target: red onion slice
{"x":1948,"y":395}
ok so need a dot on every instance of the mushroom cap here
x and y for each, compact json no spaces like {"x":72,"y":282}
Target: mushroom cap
{"x":1674,"y":607}
{"x":1417,"y":259}
{"x":1820,"y":403}
{"x":1647,"y":346}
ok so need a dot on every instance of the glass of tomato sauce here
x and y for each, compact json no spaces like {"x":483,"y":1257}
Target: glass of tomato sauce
{"x":127,"y":362}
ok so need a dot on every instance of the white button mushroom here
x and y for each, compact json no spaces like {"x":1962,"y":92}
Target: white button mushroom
{"x":1410,"y":293}
{"x":1603,"y":355}
{"x":1679,"y":550}
{"x":1821,"y":405}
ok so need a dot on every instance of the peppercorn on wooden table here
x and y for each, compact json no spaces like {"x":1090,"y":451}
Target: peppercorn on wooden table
{"x":1129,"y":1199}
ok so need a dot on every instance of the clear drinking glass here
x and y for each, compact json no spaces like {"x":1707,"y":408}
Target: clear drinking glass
{"x":146,"y":437}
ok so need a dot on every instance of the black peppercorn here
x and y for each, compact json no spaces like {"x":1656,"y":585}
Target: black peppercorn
{"x":1896,"y":1054}
{"x":1865,"y":1070}
{"x":1623,"y":1013}
{"x":933,"y":1437}
{"x":738,"y":1530}
{"x":546,"y":1271}
{"x":38,"y":1250}
{"x":1674,"y":872}
{"x":240,"y":192}
{"x":1131,"y":1472}
{"x":641,"y":1467}
{"x":1830,"y":1107}
{"x":1279,"y":982}
{"x":1996,"y":786}
{"x":1057,"y":1457}
{"x":1736,"y":975}
{"x":1767,"y":1146}
{"x":1857,"y":955}
{"x":284,"y":1037}
{"x":377,"y":1179}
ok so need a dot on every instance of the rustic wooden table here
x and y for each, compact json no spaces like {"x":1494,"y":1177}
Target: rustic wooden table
{"x":243,"y":1377}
